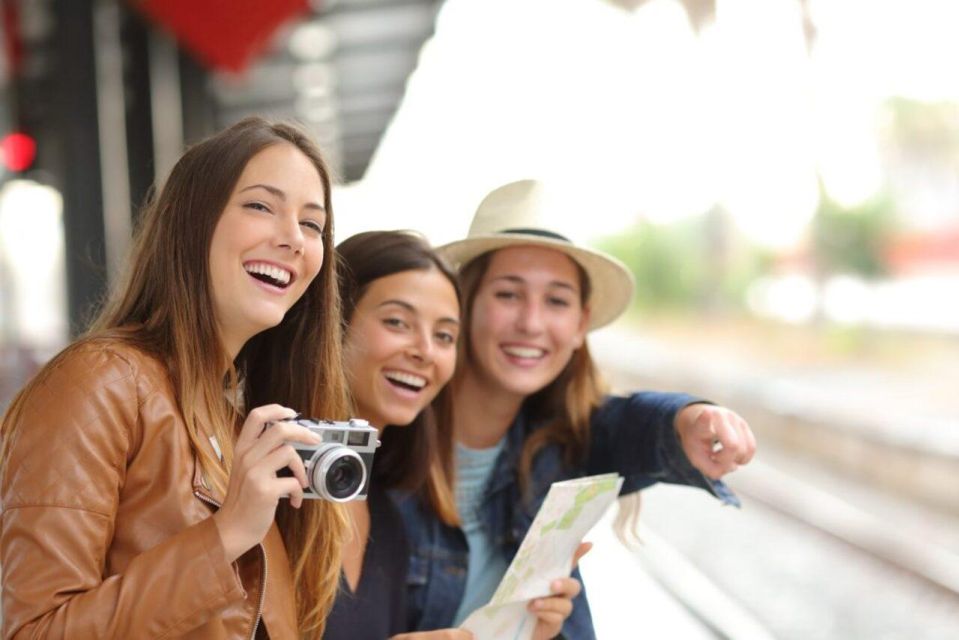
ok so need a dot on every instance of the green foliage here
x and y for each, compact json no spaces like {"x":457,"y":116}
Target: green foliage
{"x":659,"y":257}
{"x":852,"y":239}
{"x":689,"y":264}
{"x":702,"y":263}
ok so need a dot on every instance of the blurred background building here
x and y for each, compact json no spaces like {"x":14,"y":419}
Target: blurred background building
{"x":782,"y":176}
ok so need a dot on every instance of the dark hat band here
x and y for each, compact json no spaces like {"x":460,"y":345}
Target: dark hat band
{"x":543,"y":233}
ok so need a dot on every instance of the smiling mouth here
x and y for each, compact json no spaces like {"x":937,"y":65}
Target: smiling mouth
{"x":403,"y":380}
{"x":270,"y":274}
{"x":527,"y":353}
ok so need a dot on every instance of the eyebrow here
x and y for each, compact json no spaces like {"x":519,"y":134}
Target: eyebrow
{"x":412,"y":309}
{"x":282,"y":196}
{"x":555,"y":283}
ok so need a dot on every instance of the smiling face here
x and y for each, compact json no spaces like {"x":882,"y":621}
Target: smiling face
{"x":401,"y":345}
{"x":526,"y":320}
{"x":267,"y":245}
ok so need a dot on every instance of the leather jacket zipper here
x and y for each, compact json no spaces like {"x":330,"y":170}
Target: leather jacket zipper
{"x":259,"y":606}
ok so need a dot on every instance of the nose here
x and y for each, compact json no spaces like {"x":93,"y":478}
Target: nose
{"x":421,"y":347}
{"x":289,"y":233}
{"x":530,"y":317}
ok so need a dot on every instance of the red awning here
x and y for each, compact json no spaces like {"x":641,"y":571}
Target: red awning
{"x":222,"y":34}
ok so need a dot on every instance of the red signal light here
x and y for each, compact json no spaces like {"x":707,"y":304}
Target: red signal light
{"x":18,"y":151}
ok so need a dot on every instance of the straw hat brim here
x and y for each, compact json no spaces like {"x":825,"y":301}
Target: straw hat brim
{"x":612,"y":284}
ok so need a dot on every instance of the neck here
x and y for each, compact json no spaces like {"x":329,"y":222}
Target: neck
{"x":483,"y":413}
{"x":232,"y":339}
{"x":231,"y":347}
{"x":228,"y":361}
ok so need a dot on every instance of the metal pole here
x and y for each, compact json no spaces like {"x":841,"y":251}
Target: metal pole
{"x":75,"y":117}
{"x":111,"y":109}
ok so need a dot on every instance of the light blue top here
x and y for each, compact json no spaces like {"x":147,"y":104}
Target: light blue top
{"x":486,"y":564}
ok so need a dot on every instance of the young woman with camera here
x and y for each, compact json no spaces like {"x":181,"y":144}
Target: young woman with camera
{"x":140,"y":496}
{"x":527,"y":407}
{"x":402,"y":309}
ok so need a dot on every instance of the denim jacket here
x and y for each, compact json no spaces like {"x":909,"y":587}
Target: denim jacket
{"x":632,"y":436}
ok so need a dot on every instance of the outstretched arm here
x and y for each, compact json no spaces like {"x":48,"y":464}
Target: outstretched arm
{"x":716,"y":440}
{"x":651,"y":437}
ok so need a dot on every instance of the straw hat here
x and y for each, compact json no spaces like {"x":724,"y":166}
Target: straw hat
{"x":518,"y":214}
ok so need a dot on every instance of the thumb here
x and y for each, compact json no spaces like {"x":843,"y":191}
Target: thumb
{"x":581,"y":551}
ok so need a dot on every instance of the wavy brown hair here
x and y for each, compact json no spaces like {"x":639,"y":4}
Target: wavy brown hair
{"x":163,"y":305}
{"x":417,"y":457}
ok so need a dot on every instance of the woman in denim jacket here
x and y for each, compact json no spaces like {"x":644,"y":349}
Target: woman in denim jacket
{"x":527,"y":408}
{"x":401,"y":308}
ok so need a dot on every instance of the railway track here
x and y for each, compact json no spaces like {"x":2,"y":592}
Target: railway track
{"x":804,"y":562}
{"x":892,"y":543}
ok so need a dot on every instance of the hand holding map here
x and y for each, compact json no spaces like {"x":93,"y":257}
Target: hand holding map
{"x":570,"y":510}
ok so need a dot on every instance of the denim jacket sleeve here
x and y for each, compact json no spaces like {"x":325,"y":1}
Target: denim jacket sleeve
{"x":634,"y":436}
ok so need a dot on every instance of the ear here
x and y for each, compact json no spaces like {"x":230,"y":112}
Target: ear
{"x":582,"y":329}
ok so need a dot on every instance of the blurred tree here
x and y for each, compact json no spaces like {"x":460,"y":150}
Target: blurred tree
{"x":851,"y":239}
{"x":920,"y":156}
{"x":659,"y":258}
{"x":924,"y":131}
{"x":696,"y":263}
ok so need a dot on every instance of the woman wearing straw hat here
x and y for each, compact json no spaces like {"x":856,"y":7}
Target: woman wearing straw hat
{"x":527,"y":407}
{"x":401,"y":308}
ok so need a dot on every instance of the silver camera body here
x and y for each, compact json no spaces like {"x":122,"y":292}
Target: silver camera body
{"x":338,"y":468}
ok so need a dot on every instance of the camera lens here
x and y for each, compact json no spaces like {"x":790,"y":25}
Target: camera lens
{"x":338,"y":473}
{"x":344,"y":478}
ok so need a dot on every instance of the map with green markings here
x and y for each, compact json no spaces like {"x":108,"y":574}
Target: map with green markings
{"x":570,"y":510}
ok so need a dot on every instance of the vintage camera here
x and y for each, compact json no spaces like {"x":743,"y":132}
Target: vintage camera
{"x":338,"y":468}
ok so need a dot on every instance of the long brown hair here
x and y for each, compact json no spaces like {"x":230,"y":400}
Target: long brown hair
{"x":163,"y":306}
{"x":564,"y":406}
{"x":417,"y":457}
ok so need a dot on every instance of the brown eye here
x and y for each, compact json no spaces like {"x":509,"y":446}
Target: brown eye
{"x":446,"y":337}
{"x":258,"y":206}
{"x":395,"y":323}
{"x":314,"y":226}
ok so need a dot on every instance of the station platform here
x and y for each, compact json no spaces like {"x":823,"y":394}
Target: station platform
{"x":890,"y":420}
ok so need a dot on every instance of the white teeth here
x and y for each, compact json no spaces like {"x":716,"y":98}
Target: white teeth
{"x":280,"y":275}
{"x":406,"y":378}
{"x":524,"y":352}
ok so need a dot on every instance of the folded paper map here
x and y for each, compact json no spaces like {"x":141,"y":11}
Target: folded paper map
{"x":570,"y":510}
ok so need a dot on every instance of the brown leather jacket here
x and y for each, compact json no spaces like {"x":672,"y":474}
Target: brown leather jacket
{"x":106,"y":528}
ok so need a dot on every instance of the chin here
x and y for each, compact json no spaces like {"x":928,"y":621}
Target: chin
{"x":269,"y":321}
{"x":401,"y":420}
{"x":522,"y":382}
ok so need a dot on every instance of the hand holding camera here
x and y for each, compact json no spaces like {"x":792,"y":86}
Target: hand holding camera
{"x":255,"y":489}
{"x":279,"y":455}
